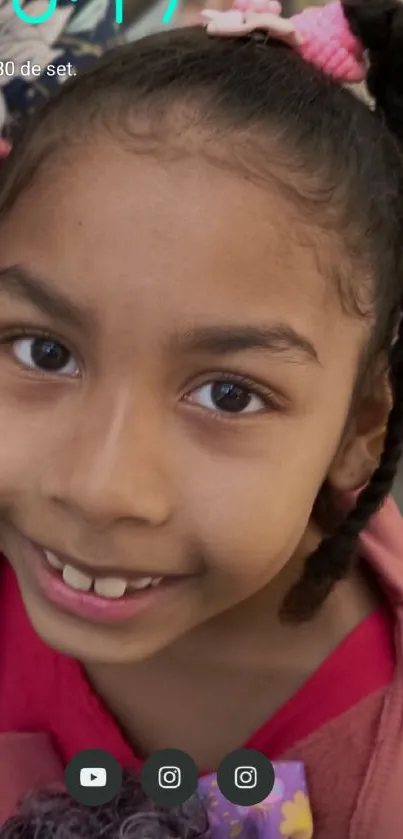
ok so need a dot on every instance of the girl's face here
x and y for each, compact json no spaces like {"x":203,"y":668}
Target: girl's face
{"x":175,"y":376}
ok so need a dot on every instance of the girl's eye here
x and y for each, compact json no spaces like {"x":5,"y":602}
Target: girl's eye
{"x":44,"y":354}
{"x":228,"y":397}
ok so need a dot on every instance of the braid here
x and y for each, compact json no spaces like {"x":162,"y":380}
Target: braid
{"x":335,"y":556}
{"x":379,"y":26}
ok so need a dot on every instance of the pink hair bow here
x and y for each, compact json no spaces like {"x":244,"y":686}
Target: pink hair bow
{"x":320,"y":34}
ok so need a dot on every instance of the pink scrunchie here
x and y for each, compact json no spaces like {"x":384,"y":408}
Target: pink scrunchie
{"x":320,"y":34}
{"x":329,"y":43}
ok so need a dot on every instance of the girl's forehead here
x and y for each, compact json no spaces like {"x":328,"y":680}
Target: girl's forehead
{"x":176,"y":204}
{"x":125,"y":233}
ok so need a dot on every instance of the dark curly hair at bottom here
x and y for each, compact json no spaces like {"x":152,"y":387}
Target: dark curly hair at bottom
{"x":256,"y":107}
{"x":131,"y":815}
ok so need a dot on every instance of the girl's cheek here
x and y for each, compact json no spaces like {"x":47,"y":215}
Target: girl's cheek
{"x":247,"y":537}
{"x":26,"y":439}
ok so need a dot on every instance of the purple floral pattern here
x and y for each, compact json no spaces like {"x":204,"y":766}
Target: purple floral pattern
{"x":284,"y":813}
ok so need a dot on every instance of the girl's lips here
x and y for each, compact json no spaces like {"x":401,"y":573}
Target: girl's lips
{"x":89,"y":605}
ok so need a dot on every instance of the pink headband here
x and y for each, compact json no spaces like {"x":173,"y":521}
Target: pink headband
{"x":320,"y":34}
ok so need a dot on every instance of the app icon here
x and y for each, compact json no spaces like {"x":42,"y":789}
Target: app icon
{"x":93,"y":777}
{"x":169,"y":777}
{"x":245,"y":777}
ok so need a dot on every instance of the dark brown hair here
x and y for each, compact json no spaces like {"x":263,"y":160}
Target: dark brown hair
{"x":255,"y":106}
{"x":131,"y":815}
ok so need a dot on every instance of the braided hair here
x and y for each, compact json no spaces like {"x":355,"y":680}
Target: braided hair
{"x":379,"y":27}
{"x":258,"y":107}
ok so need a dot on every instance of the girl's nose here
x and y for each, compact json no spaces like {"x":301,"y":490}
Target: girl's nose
{"x":111,"y":468}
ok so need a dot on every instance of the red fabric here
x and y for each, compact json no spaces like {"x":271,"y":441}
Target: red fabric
{"x":362,"y":664}
{"x":45,"y":691}
{"x":27,"y":761}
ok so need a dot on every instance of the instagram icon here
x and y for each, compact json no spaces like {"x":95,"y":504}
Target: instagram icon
{"x":169,"y":777}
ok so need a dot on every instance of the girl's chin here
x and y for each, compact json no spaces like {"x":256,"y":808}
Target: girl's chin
{"x":87,"y":642}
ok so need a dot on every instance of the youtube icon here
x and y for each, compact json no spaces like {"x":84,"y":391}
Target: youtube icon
{"x":93,"y":777}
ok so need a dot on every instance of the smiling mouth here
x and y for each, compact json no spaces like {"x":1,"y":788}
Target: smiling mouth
{"x":111,"y":586}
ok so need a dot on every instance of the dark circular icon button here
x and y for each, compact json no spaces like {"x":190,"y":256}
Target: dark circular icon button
{"x":93,"y":777}
{"x":169,"y":777}
{"x":245,"y":777}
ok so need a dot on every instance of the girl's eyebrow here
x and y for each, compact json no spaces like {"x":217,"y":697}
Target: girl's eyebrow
{"x":18,"y":281}
{"x":222,"y":340}
{"x":275,"y":338}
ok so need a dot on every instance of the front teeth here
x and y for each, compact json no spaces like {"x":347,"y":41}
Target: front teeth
{"x":76,"y":579}
{"x":109,"y":587}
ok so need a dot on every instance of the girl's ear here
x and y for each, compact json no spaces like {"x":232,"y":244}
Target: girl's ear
{"x":363,"y":440}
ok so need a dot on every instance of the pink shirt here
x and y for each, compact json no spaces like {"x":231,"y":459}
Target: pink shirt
{"x":345,"y":723}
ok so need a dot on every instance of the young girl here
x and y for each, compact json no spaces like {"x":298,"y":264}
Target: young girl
{"x":202,"y":408}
